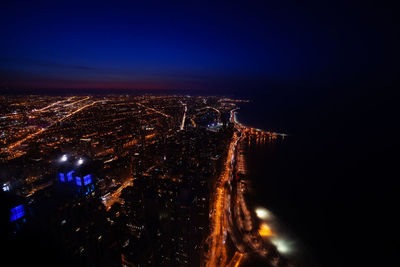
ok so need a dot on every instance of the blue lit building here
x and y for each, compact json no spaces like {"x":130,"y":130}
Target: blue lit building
{"x":62,"y":224}
{"x":76,"y":175}
{"x":18,"y":212}
{"x":61,"y":177}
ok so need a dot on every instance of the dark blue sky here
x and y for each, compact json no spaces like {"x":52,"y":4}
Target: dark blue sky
{"x":191,"y":44}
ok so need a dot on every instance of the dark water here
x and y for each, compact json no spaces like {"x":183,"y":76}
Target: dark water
{"x":332,"y":182}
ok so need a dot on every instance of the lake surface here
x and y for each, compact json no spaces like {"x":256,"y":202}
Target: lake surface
{"x":324,"y":182}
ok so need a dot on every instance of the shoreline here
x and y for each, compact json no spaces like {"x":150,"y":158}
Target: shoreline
{"x":236,"y":121}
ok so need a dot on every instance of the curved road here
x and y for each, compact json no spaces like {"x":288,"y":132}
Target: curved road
{"x":230,"y":216}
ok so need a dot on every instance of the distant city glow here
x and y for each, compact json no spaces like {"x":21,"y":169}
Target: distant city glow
{"x":64,"y":158}
{"x":262,"y":213}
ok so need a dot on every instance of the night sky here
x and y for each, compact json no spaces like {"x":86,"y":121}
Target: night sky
{"x":324,"y":72}
{"x":192,"y":44}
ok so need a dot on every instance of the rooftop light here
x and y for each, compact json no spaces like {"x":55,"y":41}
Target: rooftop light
{"x":6,"y":187}
{"x":80,"y":161}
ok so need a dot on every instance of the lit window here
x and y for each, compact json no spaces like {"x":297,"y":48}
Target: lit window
{"x":87,"y":179}
{"x":78,"y":181}
{"x":17,"y":212}
{"x":69,"y":175}
{"x":62,"y":177}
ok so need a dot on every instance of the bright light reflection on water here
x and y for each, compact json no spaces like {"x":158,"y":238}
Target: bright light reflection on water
{"x":271,"y":229}
{"x":263,"y":213}
{"x":283,"y":246}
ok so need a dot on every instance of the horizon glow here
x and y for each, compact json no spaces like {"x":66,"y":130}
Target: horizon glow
{"x":174,"y":46}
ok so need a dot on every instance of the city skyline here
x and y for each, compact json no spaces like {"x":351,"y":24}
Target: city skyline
{"x":199,"y":133}
{"x":145,"y":164}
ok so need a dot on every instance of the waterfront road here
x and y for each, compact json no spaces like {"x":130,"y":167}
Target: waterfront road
{"x":230,"y":217}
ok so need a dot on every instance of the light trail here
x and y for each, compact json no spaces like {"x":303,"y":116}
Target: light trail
{"x":235,"y":261}
{"x":13,"y":145}
{"x":243,"y":233}
{"x":30,"y":136}
{"x":153,"y":109}
{"x":184,"y":117}
{"x":114,"y":197}
{"x":219,"y":223}
{"x":55,"y":103}
{"x":78,"y":110}
{"x":193,"y":123}
{"x":44,"y":129}
{"x":73,"y":103}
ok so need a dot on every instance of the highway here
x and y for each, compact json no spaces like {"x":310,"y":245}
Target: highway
{"x":230,"y":216}
{"x":41,"y":130}
{"x":184,"y":117}
{"x":219,"y":226}
{"x":76,"y":102}
{"x":111,"y":198}
{"x":154,"y":110}
{"x":55,"y":104}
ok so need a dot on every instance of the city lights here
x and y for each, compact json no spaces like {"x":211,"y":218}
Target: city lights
{"x":265,"y":230}
{"x":196,"y":133}
{"x":262,"y":213}
{"x":123,"y":150}
{"x":64,"y":158}
{"x":283,"y":246}
{"x":80,"y":161}
{"x":6,"y":187}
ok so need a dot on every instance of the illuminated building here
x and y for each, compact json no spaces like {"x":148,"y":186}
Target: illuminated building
{"x":17,"y":212}
{"x":6,"y":187}
{"x":61,"y":177}
{"x":69,"y":175}
{"x":76,"y":177}
{"x":152,"y":173}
